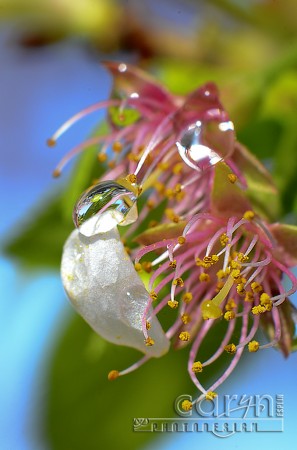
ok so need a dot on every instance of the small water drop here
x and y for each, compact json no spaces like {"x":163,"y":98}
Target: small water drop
{"x":204,"y":143}
{"x":103,"y":207}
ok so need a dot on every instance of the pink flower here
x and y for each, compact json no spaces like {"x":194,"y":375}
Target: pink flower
{"x":223,"y":269}
{"x":165,"y":142}
{"x":212,"y":256}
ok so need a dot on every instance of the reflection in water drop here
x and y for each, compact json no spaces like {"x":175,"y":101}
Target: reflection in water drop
{"x":114,"y":201}
{"x":203,"y":144}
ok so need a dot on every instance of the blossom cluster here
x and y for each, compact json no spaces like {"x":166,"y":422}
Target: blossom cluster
{"x":202,"y":242}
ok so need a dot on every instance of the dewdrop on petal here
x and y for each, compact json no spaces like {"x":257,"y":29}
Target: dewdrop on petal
{"x":110,"y":196}
{"x":103,"y":285}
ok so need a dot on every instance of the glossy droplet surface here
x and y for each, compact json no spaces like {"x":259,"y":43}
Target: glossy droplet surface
{"x":205,"y":143}
{"x":103,"y":207}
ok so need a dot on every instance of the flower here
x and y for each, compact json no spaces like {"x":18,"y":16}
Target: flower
{"x":211,"y":257}
{"x":227,"y":269}
{"x":164,"y":142}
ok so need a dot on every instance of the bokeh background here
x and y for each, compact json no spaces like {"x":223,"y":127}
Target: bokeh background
{"x":53,"y":388}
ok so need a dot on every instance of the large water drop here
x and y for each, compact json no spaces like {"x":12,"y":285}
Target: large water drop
{"x":204,"y":143}
{"x":103,"y":207}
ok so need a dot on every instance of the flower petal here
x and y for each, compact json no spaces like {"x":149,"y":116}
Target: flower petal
{"x":286,"y":237}
{"x":103,"y":286}
{"x":227,"y":198}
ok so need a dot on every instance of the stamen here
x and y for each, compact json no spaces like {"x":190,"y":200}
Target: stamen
{"x":84,"y":112}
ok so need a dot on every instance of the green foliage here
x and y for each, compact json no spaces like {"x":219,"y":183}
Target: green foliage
{"x":85,"y":410}
{"x":40,"y":242}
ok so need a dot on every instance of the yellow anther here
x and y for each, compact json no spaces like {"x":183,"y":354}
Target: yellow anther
{"x":133,"y":157}
{"x":199,"y":262}
{"x":219,"y":286}
{"x":235,"y":265}
{"x":187,"y":405}
{"x":268,"y":306}
{"x":249,"y":296}
{"x":264,"y":299}
{"x":117,"y":146}
{"x":178,"y":282}
{"x":56,"y":173}
{"x":111,"y":164}
{"x":197,"y":367}
{"x":230,"y":304}
{"x":230,"y":348}
{"x":208,"y":260}
{"x":113,"y":375}
{"x":150,"y":204}
{"x":253,"y":346}
{"x":232,"y":178}
{"x":229,"y":315}
{"x":224,"y":239}
{"x":173,"y":304}
{"x":235,"y":274}
{"x":221,"y":274}
{"x":132,"y":178}
{"x":177,"y":188}
{"x":241,"y":257}
{"x":214,"y":258}
{"x":240,"y":289}
{"x":249,"y":215}
{"x":169,"y":193}
{"x":204,"y":277}
{"x":102,"y":157}
{"x":153,"y":295}
{"x":163,"y":165}
{"x":172,"y":264}
{"x":138,"y":267}
{"x":186,"y":318}
{"x":160,"y":188}
{"x":180,"y":196}
{"x":149,"y":341}
{"x":181,"y":240}
{"x":256,"y":310}
{"x":147,"y":325}
{"x":210,"y":395}
{"x":256,"y":287}
{"x":147,"y":266}
{"x":177,"y":168}
{"x":184,"y":336}
{"x":170,"y":214}
{"x":51,"y":142}
{"x":187,"y":297}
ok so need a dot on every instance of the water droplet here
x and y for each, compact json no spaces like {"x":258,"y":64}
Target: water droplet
{"x":103,"y":207}
{"x":203,"y":144}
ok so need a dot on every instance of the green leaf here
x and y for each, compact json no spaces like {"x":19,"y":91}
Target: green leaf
{"x":85,"y":410}
{"x":39,"y":241}
{"x":83,"y":174}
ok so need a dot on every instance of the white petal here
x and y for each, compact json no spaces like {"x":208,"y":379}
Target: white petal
{"x":102,"y":284}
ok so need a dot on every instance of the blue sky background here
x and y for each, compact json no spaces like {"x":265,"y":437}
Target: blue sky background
{"x":38,"y":91}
